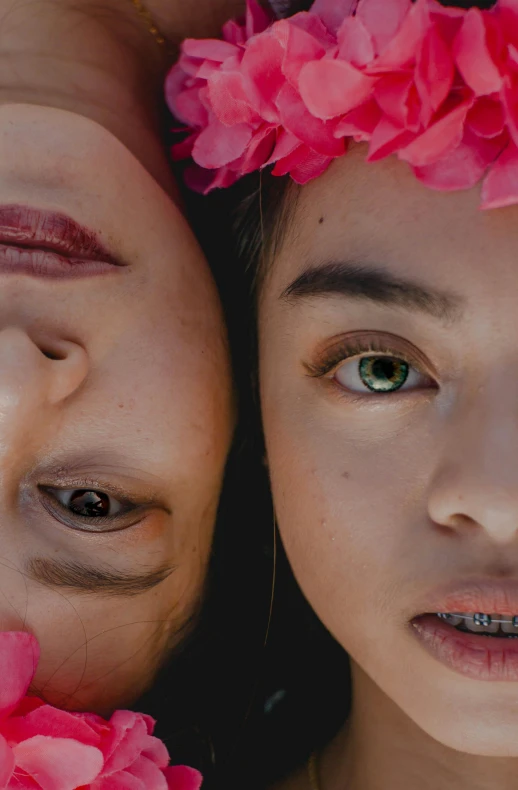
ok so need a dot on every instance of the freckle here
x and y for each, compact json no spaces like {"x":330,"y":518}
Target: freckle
{"x":121,"y":405}
{"x":346,"y":475}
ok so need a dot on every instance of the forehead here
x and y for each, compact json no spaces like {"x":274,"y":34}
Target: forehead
{"x":379,"y":214}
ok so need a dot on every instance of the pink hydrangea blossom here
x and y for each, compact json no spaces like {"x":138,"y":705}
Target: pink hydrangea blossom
{"x":44,"y":748}
{"x":436,"y":86}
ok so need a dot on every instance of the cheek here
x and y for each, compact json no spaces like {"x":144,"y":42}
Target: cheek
{"x":173,"y":388}
{"x":99,"y":655}
{"x":351,"y":501}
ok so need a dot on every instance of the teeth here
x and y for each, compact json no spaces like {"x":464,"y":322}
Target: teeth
{"x":452,"y":619}
{"x":510,"y":625}
{"x":481,"y":623}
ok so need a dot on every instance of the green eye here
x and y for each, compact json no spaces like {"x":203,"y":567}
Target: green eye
{"x":383,"y":374}
{"x":379,"y":374}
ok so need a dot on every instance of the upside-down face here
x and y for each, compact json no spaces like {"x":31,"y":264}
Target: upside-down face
{"x":115,"y":409}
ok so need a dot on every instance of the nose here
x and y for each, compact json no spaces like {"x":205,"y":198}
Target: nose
{"x":475,"y":487}
{"x":35,"y":375}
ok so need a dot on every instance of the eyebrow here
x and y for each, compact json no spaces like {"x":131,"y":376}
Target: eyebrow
{"x":91,"y":580}
{"x":356,"y":280}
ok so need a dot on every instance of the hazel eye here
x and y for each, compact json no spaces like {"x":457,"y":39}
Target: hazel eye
{"x":87,"y":503}
{"x":380,"y":374}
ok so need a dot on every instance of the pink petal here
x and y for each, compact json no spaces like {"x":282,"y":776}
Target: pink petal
{"x":22,"y":781}
{"x":294,"y":159}
{"x":472,"y":55}
{"x":333,"y":87}
{"x":208,"y":49}
{"x":360,"y":123}
{"x":299,"y":48}
{"x":434,"y":74}
{"x":383,"y":19}
{"x":262,"y":72}
{"x":285,"y":145}
{"x":58,"y":763}
{"x":228,"y":98}
{"x":234,"y":33}
{"x":355,"y":42}
{"x":257,"y":19}
{"x":189,"y":109}
{"x":19,"y":656}
{"x":49,"y":721}
{"x":6,"y":763}
{"x":500,"y":187}
{"x":119,"y":781}
{"x":175,"y":83}
{"x":190,"y":66}
{"x":397,"y":97}
{"x":506,"y":12}
{"x":149,"y":774}
{"x":333,"y":12}
{"x":315,"y":133}
{"x":509,"y":98}
{"x":486,"y":117}
{"x":218,"y":145}
{"x":205,"y":181}
{"x":183,"y":149}
{"x":156,"y":751}
{"x":125,"y":742}
{"x":401,"y":52}
{"x":313,"y":26}
{"x":180,"y":777}
{"x":258,"y":152}
{"x":463,"y":168}
{"x":313,"y":167}
{"x":386,"y":139}
{"x":438,"y":140}
{"x":302,"y":164}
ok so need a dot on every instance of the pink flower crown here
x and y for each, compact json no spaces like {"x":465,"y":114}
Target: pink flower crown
{"x":43,"y":748}
{"x":436,"y":86}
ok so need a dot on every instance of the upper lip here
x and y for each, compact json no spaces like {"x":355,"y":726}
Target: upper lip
{"x":51,"y":231}
{"x":485,"y":595}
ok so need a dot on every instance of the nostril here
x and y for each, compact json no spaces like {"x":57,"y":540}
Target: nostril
{"x":52,"y":354}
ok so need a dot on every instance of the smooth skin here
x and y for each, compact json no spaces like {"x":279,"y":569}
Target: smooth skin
{"x":120,"y":383}
{"x":381,"y":498}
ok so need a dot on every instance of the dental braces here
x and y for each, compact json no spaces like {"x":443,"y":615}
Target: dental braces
{"x":480,"y":619}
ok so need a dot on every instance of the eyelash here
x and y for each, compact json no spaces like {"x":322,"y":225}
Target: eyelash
{"x":363,"y":345}
{"x":350,"y":348}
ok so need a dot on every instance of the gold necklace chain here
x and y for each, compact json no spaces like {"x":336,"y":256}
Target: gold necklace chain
{"x":313,"y":771}
{"x":147,"y":18}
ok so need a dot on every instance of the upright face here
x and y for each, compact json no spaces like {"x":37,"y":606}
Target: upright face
{"x":115,"y":409}
{"x":389,"y":370}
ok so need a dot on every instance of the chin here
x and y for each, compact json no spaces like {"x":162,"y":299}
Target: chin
{"x":478,"y":721}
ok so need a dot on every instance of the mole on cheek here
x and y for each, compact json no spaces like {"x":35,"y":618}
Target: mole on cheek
{"x":321,"y":221}
{"x":346,"y":475}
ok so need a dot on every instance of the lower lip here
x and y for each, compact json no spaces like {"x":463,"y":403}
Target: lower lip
{"x":476,"y":657}
{"x":43,"y":263}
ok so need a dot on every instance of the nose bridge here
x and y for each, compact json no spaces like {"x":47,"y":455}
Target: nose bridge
{"x":476,"y":481}
{"x":32,"y":381}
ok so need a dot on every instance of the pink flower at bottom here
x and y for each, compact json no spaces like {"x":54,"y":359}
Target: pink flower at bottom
{"x":44,"y":748}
